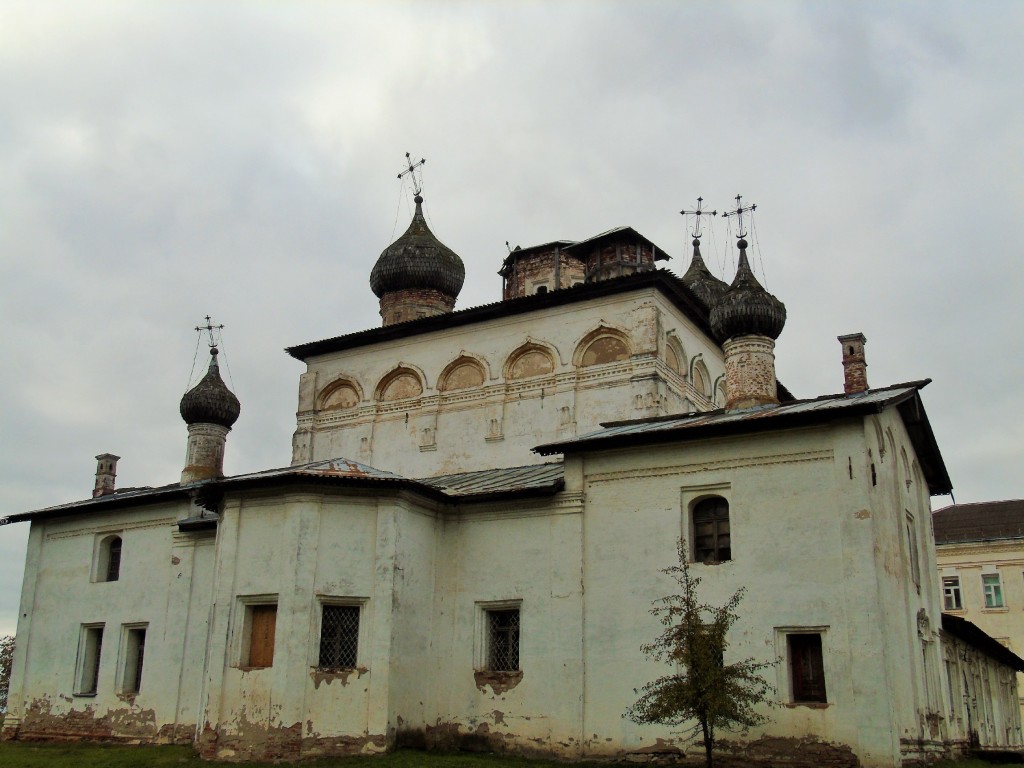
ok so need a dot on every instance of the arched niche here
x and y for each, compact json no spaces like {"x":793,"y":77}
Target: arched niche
{"x":340,"y":394}
{"x":700,"y":379}
{"x":604,"y":345}
{"x":463,"y":373}
{"x":401,"y":384}
{"x":720,"y":395}
{"x":675,"y":356}
{"x":529,"y":360}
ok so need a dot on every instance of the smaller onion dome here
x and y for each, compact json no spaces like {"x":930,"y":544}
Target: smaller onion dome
{"x":698,"y":278}
{"x":210,"y":401}
{"x":746,"y":308}
{"x":418,"y":260}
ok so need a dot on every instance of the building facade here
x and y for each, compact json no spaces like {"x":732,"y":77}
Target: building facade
{"x":465,"y":549}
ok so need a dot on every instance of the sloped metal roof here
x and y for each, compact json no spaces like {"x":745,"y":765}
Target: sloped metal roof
{"x":980,"y":521}
{"x":659,"y":253}
{"x":500,"y":481}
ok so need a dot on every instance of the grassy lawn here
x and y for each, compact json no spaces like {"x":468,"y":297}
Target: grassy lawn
{"x":27,"y":755}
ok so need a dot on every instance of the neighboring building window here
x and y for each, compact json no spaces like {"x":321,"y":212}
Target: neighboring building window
{"x":711,"y":540}
{"x":503,"y":640}
{"x":134,"y":654}
{"x":951,"y":597}
{"x":339,"y":636}
{"x":807,"y":668}
{"x":261,"y":623}
{"x":90,"y":648}
{"x":993,"y":590}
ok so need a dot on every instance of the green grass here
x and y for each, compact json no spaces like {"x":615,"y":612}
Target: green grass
{"x":78,"y":755}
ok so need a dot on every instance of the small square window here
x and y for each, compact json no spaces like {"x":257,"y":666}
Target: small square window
{"x":90,"y":648}
{"x":807,"y":667}
{"x":503,"y":640}
{"x":339,"y":636}
{"x":952,"y":600}
{"x":993,"y":589}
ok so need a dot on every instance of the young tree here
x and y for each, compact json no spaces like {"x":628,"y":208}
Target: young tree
{"x":6,"y":659}
{"x":704,"y":693}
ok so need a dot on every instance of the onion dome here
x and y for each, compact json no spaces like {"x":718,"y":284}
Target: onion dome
{"x":418,"y":260}
{"x":701,"y":282}
{"x":746,"y":309}
{"x":210,"y":401}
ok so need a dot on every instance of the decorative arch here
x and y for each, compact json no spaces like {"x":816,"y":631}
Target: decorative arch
{"x":464,"y":372}
{"x":675,"y":355}
{"x":340,"y":394}
{"x":531,"y":359}
{"x":720,"y":394}
{"x":600,"y":346}
{"x":879,"y":438}
{"x":700,"y":379}
{"x":400,"y":384}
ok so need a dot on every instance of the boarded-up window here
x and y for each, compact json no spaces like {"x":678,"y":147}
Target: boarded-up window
{"x":463,"y":376}
{"x":807,"y":667}
{"x":341,"y":396}
{"x":401,"y":385}
{"x":712,"y":542}
{"x":607,"y":349}
{"x":532,"y":362}
{"x":262,"y":625}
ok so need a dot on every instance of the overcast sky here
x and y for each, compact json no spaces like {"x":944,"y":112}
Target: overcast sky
{"x":160,"y":161}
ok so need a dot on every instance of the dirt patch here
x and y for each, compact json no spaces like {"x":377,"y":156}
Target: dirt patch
{"x":500,"y":682}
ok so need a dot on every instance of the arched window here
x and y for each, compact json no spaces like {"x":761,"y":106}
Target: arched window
{"x":400,"y":384}
{"x":464,"y":373}
{"x":529,"y":361}
{"x":711,"y":541}
{"x":604,"y":349}
{"x":108,"y":566}
{"x":340,"y":394}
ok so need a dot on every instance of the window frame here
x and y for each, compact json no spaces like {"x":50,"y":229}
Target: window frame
{"x":485,"y":638}
{"x":101,"y":556}
{"x":132,"y":658}
{"x":359,"y":603}
{"x":786,"y":683}
{"x":716,"y":517}
{"x":992,"y":600}
{"x":914,"y":550}
{"x":249,"y":606}
{"x":89,"y":660}
{"x":952,"y":592}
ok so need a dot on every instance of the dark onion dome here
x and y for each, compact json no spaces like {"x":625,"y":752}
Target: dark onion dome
{"x":698,"y":278}
{"x":746,"y":308}
{"x":210,"y":401}
{"x":418,"y":260}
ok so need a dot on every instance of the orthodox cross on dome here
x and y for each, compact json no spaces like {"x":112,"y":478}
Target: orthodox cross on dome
{"x":209,"y":328}
{"x":697,"y":214}
{"x":738,"y":213}
{"x":417,"y":182}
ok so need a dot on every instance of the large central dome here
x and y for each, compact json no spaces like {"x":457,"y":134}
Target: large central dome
{"x":418,"y":261}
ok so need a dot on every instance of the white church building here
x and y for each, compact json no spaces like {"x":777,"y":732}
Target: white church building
{"x":464,"y":551}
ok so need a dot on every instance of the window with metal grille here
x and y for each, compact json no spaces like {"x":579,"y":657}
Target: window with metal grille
{"x":711,"y":540}
{"x":339,"y":636}
{"x":807,"y":667}
{"x":503,"y":640}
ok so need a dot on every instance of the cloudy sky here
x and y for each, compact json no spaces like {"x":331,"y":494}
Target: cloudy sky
{"x":160,"y":161}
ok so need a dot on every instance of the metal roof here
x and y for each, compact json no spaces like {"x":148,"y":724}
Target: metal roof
{"x":500,"y":481}
{"x":659,"y":253}
{"x":980,"y":521}
{"x":973,"y":635}
{"x":693,"y":426}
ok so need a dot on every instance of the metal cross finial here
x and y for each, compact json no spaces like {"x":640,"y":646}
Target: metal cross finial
{"x":698,"y":213}
{"x":417,"y":184}
{"x":738,"y":213}
{"x":209,"y":328}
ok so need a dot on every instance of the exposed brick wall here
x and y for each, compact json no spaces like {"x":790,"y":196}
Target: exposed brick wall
{"x":540,"y":267}
{"x":750,"y":372}
{"x":413,"y":303}
{"x":618,"y":259}
{"x":855,"y":367}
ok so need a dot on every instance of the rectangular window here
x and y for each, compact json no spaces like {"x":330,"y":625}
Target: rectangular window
{"x":807,"y":668}
{"x":915,"y":561}
{"x":339,"y":636}
{"x":993,"y":590}
{"x":90,"y":648}
{"x":133,"y":655}
{"x":712,"y":542}
{"x":503,"y":640}
{"x":261,"y":622}
{"x":951,"y":598}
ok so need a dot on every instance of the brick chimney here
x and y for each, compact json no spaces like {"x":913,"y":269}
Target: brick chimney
{"x":106,"y":472}
{"x":855,"y":368}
